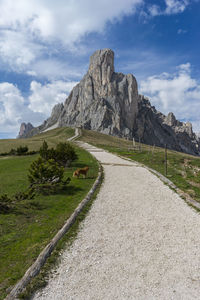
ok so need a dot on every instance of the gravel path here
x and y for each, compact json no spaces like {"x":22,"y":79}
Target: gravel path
{"x":139,"y":241}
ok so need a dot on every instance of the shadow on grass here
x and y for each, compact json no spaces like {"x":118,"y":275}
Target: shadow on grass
{"x":26,"y":208}
{"x":78,"y":165}
{"x":88,"y":177}
{"x":69,"y":190}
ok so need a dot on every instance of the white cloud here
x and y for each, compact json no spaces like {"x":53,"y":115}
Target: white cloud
{"x":17,"y":50}
{"x":29,"y":28}
{"x":175,"y":6}
{"x":177,"y":92}
{"x":15,"y":109}
{"x":154,"y":10}
{"x":172,"y":7}
{"x":44,"y":97}
{"x":53,"y":69}
{"x":11,"y":103}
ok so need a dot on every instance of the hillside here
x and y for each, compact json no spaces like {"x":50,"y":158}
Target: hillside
{"x":109,"y":102}
{"x":48,"y":213}
{"x":30,"y":224}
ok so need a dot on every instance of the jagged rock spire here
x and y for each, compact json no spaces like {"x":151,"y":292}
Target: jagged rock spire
{"x":103,"y":100}
{"x":102,"y":66}
{"x":108,"y":102}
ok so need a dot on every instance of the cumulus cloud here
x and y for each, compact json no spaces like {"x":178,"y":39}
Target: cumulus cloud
{"x":15,"y":108}
{"x":11,"y":103}
{"x":31,"y":32}
{"x":67,"y":21}
{"x":29,"y":28}
{"x":17,"y":50}
{"x":44,"y":97}
{"x":178,"y":92}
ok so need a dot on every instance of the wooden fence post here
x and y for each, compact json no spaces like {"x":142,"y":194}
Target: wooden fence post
{"x":139,"y":145}
{"x":153,"y":148}
{"x":165,"y":159}
{"x":133,"y":143}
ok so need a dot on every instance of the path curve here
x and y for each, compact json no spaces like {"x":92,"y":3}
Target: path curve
{"x":140,"y":240}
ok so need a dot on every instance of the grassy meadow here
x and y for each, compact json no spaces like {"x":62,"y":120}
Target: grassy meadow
{"x":34,"y":143}
{"x":182,"y":169}
{"x":25,"y":231}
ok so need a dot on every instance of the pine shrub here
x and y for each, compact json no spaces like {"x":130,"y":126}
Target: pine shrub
{"x":46,"y":175}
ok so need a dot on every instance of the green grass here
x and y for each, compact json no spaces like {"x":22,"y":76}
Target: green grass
{"x":42,"y":279}
{"x":35,"y":142}
{"x":24,"y":234}
{"x":26,"y":231}
{"x":183,"y":169}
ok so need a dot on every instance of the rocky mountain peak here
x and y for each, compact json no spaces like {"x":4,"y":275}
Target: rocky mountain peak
{"x":171,"y":119}
{"x":102,"y":66}
{"x":24,"y":130}
{"x":103,"y":100}
{"x":108,"y":102}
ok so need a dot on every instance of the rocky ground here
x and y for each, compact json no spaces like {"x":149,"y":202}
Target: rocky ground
{"x":140,"y":240}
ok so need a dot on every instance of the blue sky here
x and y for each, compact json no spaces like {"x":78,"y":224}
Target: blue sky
{"x":45,"y":47}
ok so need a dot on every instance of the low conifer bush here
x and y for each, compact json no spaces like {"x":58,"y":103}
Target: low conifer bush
{"x":46,"y":176}
{"x":64,"y":153}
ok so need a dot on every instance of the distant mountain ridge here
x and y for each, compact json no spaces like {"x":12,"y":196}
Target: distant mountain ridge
{"x":109,"y":102}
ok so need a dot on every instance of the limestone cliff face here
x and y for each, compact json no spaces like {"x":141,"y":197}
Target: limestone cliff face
{"x":103,"y":100}
{"x":154,"y":128}
{"x":52,"y":121}
{"x":27,"y":130}
{"x":108,"y":102}
{"x":24,"y":129}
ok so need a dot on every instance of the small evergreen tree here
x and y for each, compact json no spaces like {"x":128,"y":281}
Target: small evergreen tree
{"x":44,"y":151}
{"x":43,"y":171}
{"x":22,"y":150}
{"x":65,"y":154}
{"x":46,"y":175}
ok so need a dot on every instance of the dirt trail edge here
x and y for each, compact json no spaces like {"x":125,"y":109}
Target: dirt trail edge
{"x":140,"y":240}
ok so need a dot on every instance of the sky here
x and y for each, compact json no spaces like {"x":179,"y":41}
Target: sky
{"x":45,"y":47}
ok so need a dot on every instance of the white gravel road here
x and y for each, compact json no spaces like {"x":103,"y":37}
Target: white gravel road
{"x":139,"y":241}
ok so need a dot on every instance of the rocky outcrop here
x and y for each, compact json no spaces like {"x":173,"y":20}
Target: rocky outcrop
{"x":50,"y":123}
{"x":154,"y":128}
{"x":108,"y":102}
{"x":103,"y":100}
{"x":24,"y":130}
{"x":55,"y":114}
